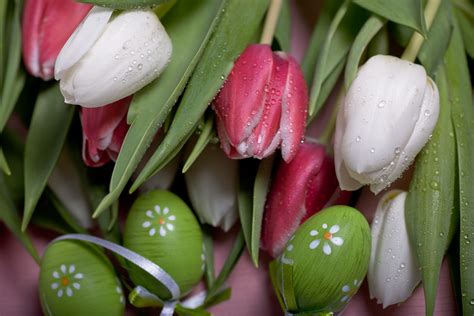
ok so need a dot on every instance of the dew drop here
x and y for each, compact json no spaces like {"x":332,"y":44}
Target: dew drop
{"x":115,"y":78}
{"x":358,"y":139}
{"x":381,"y":104}
{"x":117,"y":56}
{"x":397,"y":150}
{"x":388,"y":279}
{"x":471,"y":302}
{"x":372,"y":150}
{"x":402,"y":265}
{"x":427,"y":113}
{"x":140,"y":66}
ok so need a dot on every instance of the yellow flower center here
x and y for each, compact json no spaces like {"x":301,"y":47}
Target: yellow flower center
{"x":327,"y":235}
{"x":64,"y":281}
{"x":161,"y":221}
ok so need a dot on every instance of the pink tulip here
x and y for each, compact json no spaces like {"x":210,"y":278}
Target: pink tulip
{"x":300,"y":188}
{"x":104,"y":129}
{"x":262,"y":105}
{"x":47,"y":25}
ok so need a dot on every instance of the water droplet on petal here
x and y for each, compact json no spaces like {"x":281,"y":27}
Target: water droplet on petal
{"x":381,"y":104}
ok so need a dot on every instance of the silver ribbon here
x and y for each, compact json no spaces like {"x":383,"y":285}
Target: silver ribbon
{"x":151,"y":268}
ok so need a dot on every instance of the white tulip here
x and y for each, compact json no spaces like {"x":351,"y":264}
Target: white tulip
{"x":393,"y":270}
{"x":212,"y":186}
{"x":110,"y":57}
{"x":388,"y":115}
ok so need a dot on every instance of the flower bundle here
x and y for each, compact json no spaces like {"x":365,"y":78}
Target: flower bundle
{"x":144,"y":88}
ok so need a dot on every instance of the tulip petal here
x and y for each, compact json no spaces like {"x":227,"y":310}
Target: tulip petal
{"x":132,"y":51}
{"x":385,"y":97}
{"x":285,"y":205}
{"x":82,"y":39}
{"x":393,"y":269}
{"x":294,"y":109}
{"x":32,"y":17}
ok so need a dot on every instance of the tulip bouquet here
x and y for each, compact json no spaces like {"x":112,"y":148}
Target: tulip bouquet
{"x":103,"y":102}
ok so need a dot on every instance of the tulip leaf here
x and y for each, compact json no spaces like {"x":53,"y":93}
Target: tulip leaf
{"x":283,"y":28}
{"x":4,"y":164}
{"x":434,"y":47}
{"x":242,"y":17}
{"x":244,"y":199}
{"x":13,"y":78}
{"x":47,"y":133}
{"x":153,"y":103}
{"x":231,"y":261}
{"x":207,"y":134}
{"x":366,"y":34}
{"x":64,"y":213}
{"x":431,"y":216}
{"x":460,"y":96}
{"x":341,"y":33}
{"x":125,"y":4}
{"x":260,"y":190}
{"x":208,"y":249}
{"x":9,"y":216}
{"x":405,"y":12}
{"x":464,"y":12}
{"x":317,"y":38}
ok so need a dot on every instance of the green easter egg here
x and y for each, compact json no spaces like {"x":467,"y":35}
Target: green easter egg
{"x":162,"y":228}
{"x":78,"y":279}
{"x":325,"y":261}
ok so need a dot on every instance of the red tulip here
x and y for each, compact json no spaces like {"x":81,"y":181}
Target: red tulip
{"x":300,"y":188}
{"x":47,"y":25}
{"x":262,"y":105}
{"x":104,"y":129}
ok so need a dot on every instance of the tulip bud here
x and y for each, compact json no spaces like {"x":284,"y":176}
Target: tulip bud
{"x":46,"y":26}
{"x":262,"y":105}
{"x":388,"y":115}
{"x":212,"y":186}
{"x":105,"y":61}
{"x":103,"y":131}
{"x":300,"y":188}
{"x":393,"y":269}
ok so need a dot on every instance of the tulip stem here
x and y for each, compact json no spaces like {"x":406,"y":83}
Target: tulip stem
{"x":416,"y":41}
{"x":271,"y":22}
{"x":326,"y":135}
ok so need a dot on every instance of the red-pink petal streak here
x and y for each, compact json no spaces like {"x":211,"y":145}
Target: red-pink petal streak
{"x":46,"y":26}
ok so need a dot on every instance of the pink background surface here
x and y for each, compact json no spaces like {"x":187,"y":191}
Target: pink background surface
{"x":252,"y":292}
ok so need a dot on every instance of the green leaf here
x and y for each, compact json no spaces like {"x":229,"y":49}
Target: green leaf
{"x":340,"y":36}
{"x":13,"y":78}
{"x":229,"y":265}
{"x":436,"y":43}
{"x":464,"y":12}
{"x":366,"y":34}
{"x":10,"y":217}
{"x":4,"y":164}
{"x":207,"y":134}
{"x":153,"y":103}
{"x":405,"y":12}
{"x":240,"y":25}
{"x":283,"y":27}
{"x":260,"y":190}
{"x":64,"y":213}
{"x":317,"y":38}
{"x":244,"y":199}
{"x":125,"y":4}
{"x":460,"y":97}
{"x":220,"y":297}
{"x":47,"y":133}
{"x":209,"y":255}
{"x":379,"y":45}
{"x":431,"y":217}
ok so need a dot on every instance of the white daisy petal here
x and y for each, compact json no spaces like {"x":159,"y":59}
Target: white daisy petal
{"x":149,"y":214}
{"x":146,"y":224}
{"x":54,"y":286}
{"x":290,"y":247}
{"x":72,"y":268}
{"x":170,"y":227}
{"x":334,"y":229}
{"x":346,"y":288}
{"x":314,"y":232}
{"x":325,"y":225}
{"x":76,"y":285}
{"x":172,"y":218}
{"x":356,"y":282}
{"x":55,"y":274}
{"x":166,"y":210}
{"x":118,"y":289}
{"x":158,"y":209}
{"x":122,"y":299}
{"x":338,"y":241}
{"x":152,"y":232}
{"x":68,"y":291}
{"x":63,"y":268}
{"x":78,"y":276}
{"x":60,"y":293}
{"x":345,"y":298}
{"x":162,"y":231}
{"x":327,"y":249}
{"x":314,"y":244}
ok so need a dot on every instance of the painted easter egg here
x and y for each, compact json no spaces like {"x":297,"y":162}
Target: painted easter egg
{"x":77,"y":279}
{"x":162,"y":228}
{"x":325,"y":261}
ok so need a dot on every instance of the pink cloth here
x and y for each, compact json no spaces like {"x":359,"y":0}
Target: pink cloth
{"x":251,"y":290}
